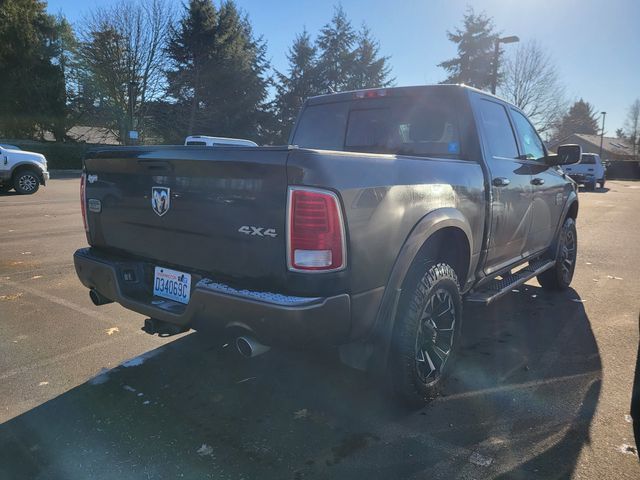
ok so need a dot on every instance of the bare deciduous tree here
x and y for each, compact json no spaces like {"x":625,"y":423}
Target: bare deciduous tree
{"x":530,"y":81}
{"x":122,"y":58}
{"x":632,"y":126}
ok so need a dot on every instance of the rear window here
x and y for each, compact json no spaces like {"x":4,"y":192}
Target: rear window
{"x":588,"y":160}
{"x":322,"y":126}
{"x":401,"y":125}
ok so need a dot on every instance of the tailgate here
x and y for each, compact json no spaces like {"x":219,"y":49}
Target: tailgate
{"x":213,"y":210}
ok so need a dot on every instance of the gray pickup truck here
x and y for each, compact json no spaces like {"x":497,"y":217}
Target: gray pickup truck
{"x":388,"y":210}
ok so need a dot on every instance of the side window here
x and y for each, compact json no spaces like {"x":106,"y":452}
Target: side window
{"x":529,"y":139}
{"x":498,"y":131}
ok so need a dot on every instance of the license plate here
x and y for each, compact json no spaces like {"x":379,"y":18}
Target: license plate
{"x":172,"y":284}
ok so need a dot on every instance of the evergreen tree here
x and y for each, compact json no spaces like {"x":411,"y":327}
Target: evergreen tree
{"x":581,"y":118}
{"x":218,"y":73}
{"x":296,"y":86}
{"x":32,"y":90}
{"x":340,"y":60}
{"x":476,"y":42}
{"x":369,"y":70}
{"x":191,"y":50}
{"x":336,"y":60}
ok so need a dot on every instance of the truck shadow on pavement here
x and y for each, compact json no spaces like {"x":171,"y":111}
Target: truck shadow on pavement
{"x":518,"y":405}
{"x":597,"y":190}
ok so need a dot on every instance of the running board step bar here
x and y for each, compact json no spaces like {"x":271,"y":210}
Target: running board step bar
{"x":497,"y":288}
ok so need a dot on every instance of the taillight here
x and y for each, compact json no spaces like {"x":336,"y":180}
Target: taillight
{"x":83,"y":200}
{"x":316,"y":235}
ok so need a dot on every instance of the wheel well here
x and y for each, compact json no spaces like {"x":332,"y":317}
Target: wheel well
{"x":573,"y":211}
{"x":448,"y":245}
{"x":22,"y":168}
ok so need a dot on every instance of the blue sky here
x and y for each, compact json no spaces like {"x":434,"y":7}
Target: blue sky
{"x":594,"y":43}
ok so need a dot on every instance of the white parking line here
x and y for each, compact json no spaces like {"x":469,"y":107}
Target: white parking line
{"x":65,"y":303}
{"x":62,"y":357}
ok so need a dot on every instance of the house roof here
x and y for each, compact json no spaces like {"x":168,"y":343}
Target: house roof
{"x":83,"y":133}
{"x":611,"y":145}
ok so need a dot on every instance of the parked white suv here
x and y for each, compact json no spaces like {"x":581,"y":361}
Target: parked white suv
{"x":22,"y":171}
{"x":588,"y":172}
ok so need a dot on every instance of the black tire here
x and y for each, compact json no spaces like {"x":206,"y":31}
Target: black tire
{"x":566,"y":250}
{"x":590,"y":186}
{"x":26,"y":182}
{"x":602,"y":183}
{"x":424,"y":345}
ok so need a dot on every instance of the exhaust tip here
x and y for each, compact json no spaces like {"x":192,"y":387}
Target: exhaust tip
{"x":97,"y":298}
{"x":249,"y":347}
{"x":244,"y":347}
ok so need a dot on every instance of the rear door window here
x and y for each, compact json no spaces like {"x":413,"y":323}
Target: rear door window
{"x":497,"y":129}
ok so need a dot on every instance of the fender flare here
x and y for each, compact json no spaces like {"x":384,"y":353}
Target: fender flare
{"x":385,"y":319}
{"x":572,"y":199}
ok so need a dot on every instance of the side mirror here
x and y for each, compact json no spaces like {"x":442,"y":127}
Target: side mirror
{"x":567,"y":154}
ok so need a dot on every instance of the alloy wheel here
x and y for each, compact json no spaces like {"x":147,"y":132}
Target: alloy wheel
{"x":567,"y":254}
{"x":434,"y":340}
{"x":27,"y":182}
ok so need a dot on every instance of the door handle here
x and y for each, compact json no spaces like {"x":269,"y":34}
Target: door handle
{"x":500,"y":182}
{"x":537,"y":181}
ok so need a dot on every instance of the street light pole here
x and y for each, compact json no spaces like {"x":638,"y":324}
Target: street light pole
{"x":132,"y":102}
{"x":604,"y":114}
{"x":496,"y":57}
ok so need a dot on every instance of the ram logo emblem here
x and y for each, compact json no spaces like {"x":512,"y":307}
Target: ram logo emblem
{"x":160,"y":200}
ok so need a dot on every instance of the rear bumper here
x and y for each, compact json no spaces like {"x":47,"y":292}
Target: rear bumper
{"x":274,"y":319}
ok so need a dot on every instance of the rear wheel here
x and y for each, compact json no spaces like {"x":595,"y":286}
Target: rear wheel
{"x":426,"y":334}
{"x":26,"y":182}
{"x":591,"y":186}
{"x":602,"y":183}
{"x":559,"y":277}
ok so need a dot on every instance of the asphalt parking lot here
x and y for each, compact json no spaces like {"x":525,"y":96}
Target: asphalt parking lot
{"x":542,"y":388}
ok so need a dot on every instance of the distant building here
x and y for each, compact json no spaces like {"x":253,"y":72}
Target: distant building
{"x":612,"y":148}
{"x":617,"y":152}
{"x":86,"y":134}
